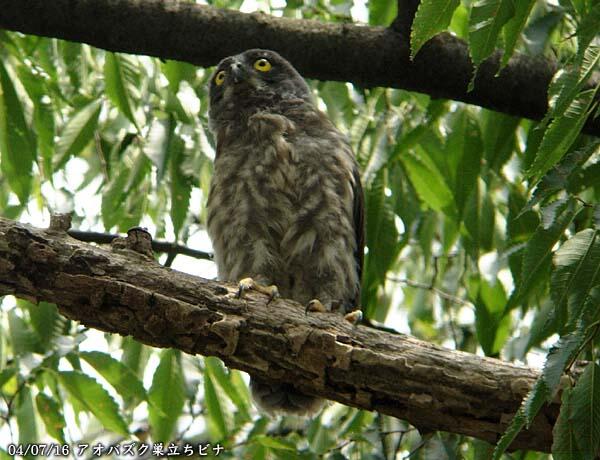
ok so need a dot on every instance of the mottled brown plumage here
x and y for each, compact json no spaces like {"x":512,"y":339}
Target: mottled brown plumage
{"x":285,"y":204}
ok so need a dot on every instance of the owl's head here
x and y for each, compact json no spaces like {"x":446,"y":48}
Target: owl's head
{"x":253,"y":80}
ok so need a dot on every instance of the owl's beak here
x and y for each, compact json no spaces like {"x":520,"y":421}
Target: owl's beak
{"x":238,"y":73}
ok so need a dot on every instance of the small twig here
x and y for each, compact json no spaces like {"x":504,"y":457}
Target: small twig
{"x":428,"y":287}
{"x":157,"y":245}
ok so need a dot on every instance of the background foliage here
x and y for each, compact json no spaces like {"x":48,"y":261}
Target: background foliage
{"x":482,"y":232}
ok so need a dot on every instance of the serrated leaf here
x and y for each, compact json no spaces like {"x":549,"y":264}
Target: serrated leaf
{"x":514,"y":27}
{"x":45,"y":319}
{"x":576,"y":273}
{"x":117,"y":374}
{"x":428,"y":181}
{"x":225,"y":381}
{"x":167,"y":396}
{"x":586,"y":411}
{"x":561,"y":175}
{"x":564,"y":436}
{"x":51,"y":415}
{"x":77,"y":133}
{"x":485,"y":23}
{"x":559,"y":356}
{"x":120,"y":75}
{"x":561,"y":134}
{"x":587,"y":29}
{"x":216,"y":418}
{"x":556,"y":217}
{"x":431,"y":18}
{"x":17,"y":145}
{"x":530,"y":406}
{"x":95,"y":399}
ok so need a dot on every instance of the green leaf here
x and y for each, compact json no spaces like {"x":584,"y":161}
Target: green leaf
{"x":382,"y":12}
{"x":167,"y":396}
{"x":51,"y":415}
{"x":577,"y":272}
{"x":95,"y":399}
{"x":559,"y":356}
{"x":485,"y":24}
{"x":216,"y":418}
{"x":431,"y":18}
{"x":157,"y":143}
{"x":22,"y":338}
{"x":514,"y":27}
{"x":45,"y":319}
{"x":274,"y":443}
{"x":524,"y":416}
{"x":562,"y":174}
{"x":587,"y":30}
{"x":428,"y":181}
{"x":382,"y":241}
{"x":176,"y":71}
{"x":491,"y":325}
{"x":121,"y":77}
{"x":564,"y":435}
{"x":586,"y":411}
{"x":117,"y":374}
{"x":561,"y":134}
{"x":181,"y":184}
{"x":17,"y":145}
{"x":77,"y":133}
{"x":499,"y":138}
{"x":225,"y":380}
{"x":556,"y":217}
{"x":26,"y":418}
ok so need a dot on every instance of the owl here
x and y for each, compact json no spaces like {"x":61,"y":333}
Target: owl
{"x":285,"y":207}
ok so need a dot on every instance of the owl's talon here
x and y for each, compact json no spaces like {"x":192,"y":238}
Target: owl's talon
{"x":246,"y":284}
{"x":315,"y":305}
{"x":354,"y":317}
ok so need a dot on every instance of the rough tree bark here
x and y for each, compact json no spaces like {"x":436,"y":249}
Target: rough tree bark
{"x":366,"y":56}
{"x":127,"y":292}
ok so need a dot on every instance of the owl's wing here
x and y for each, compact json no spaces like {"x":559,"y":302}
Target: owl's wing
{"x":359,"y":229}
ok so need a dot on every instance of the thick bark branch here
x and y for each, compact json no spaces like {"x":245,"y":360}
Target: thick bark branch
{"x":367,"y":56}
{"x":128,"y":293}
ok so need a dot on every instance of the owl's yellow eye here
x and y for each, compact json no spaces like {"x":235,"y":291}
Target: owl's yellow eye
{"x":220,"y":77}
{"x":262,"y":65}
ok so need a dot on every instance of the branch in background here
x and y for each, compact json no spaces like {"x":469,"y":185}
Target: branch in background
{"x":366,"y":56}
{"x":171,"y":249}
{"x":406,"y":14}
{"x":126,"y":292}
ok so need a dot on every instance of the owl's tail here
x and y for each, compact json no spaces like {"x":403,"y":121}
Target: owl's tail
{"x":282,"y":398}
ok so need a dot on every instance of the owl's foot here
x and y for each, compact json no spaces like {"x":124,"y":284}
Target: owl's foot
{"x":354,"y":317}
{"x":315,"y":305}
{"x":248,"y":283}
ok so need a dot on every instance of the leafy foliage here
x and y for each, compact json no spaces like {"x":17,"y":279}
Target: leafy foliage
{"x":482,"y":232}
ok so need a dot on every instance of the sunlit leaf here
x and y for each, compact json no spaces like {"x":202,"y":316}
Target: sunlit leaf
{"x":17,"y":145}
{"x":117,"y":374}
{"x":95,"y":399}
{"x":50,"y":413}
{"x":121,"y":77}
{"x":167,"y":396}
{"x":77,"y":133}
{"x":432,"y":17}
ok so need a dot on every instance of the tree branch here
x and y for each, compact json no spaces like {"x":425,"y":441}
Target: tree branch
{"x":366,"y":56}
{"x":128,"y":293}
{"x":157,"y":245}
